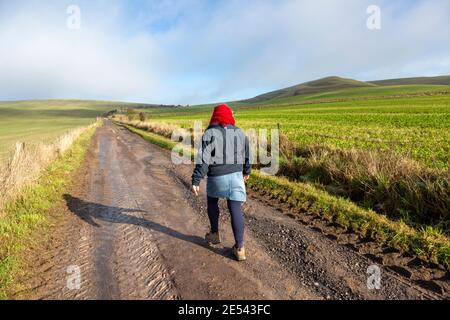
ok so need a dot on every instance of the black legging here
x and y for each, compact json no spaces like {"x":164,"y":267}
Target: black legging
{"x":237,"y":218}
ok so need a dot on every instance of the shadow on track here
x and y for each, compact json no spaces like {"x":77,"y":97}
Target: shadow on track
{"x":91,"y":212}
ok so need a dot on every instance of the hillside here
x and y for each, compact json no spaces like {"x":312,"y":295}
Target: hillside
{"x":441,"y":80}
{"x":327,"y":84}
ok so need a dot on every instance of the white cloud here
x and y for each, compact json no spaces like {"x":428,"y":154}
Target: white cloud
{"x":191,"y":51}
{"x":41,"y":61}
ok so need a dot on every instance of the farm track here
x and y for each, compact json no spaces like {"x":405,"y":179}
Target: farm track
{"x":134,"y":230}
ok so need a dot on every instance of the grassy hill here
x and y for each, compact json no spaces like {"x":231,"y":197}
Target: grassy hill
{"x":317,"y":86}
{"x":336,"y":87}
{"x":441,"y":80}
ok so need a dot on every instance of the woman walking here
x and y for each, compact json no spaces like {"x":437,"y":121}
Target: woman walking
{"x":224,"y":158}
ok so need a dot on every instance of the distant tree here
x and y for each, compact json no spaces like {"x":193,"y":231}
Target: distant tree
{"x":130,"y":114}
{"x":142,"y":116}
{"x":111,"y":113}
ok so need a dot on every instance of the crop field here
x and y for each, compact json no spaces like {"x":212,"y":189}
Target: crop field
{"x":415,"y":123}
{"x":43,"y":121}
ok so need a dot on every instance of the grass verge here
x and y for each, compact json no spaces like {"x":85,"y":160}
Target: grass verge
{"x":392,"y":185}
{"x":426,"y":243}
{"x":159,"y":140}
{"x":151,"y":137}
{"x":29,"y":212}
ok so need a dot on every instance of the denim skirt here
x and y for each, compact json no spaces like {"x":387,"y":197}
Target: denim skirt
{"x":230,"y":187}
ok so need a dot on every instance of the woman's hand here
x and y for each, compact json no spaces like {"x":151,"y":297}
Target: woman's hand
{"x":196,"y":190}
{"x":246,"y":178}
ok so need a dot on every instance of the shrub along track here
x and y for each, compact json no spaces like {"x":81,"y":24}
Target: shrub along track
{"x":135,"y":231}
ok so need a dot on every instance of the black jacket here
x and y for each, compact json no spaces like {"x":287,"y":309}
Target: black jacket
{"x":223,"y":151}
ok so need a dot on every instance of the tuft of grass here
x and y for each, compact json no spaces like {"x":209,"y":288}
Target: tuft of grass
{"x":161,"y":129}
{"x":390,"y":184}
{"x":22,"y":217}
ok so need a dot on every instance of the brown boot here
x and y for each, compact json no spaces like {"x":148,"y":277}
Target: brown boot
{"x":213,"y":238}
{"x":239,"y":253}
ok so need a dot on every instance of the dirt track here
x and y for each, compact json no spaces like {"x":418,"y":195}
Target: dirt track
{"x":135,"y":232}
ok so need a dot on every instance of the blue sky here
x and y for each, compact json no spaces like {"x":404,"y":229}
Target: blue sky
{"x":198,"y":51}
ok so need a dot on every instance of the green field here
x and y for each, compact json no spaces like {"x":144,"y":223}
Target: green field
{"x":410,"y":120}
{"x":43,"y":121}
